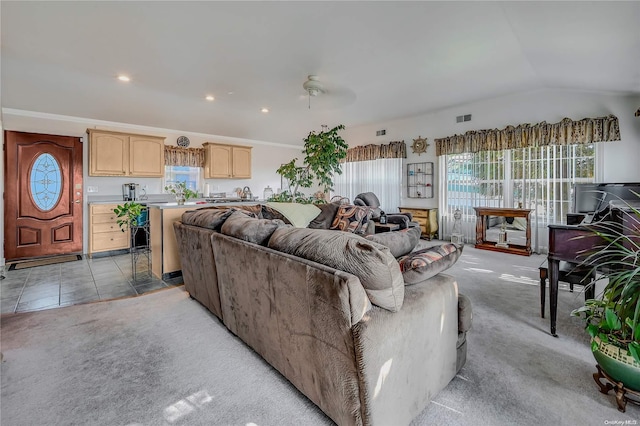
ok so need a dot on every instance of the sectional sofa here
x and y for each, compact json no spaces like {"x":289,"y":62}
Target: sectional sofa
{"x":329,"y":310}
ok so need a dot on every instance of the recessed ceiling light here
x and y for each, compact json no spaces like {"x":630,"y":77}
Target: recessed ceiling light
{"x":124,"y":78}
{"x":209,"y":98}
{"x":265,"y":110}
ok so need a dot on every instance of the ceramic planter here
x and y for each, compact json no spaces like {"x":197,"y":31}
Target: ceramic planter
{"x":618,"y":364}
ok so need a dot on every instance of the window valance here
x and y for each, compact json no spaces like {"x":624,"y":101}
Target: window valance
{"x":565,"y":132}
{"x":396,"y":149}
{"x":178,"y":156}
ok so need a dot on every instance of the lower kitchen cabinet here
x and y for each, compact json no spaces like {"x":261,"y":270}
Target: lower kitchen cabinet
{"x":104,"y":232}
{"x":426,"y":217}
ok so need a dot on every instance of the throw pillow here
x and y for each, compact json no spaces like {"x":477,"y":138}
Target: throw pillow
{"x":270,"y":213}
{"x":423,"y":264}
{"x":206,"y":218}
{"x":251,"y":229}
{"x":325,"y":219}
{"x":352,"y":219}
{"x":299,"y":215}
{"x":399,"y":242}
{"x":372,"y":263}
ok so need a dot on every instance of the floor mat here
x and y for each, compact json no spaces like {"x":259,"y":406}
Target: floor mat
{"x":45,"y":261}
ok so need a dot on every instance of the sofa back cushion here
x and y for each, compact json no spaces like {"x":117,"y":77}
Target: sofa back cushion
{"x":325,"y":218}
{"x":399,"y":242}
{"x":372,"y":263}
{"x":253,"y":230}
{"x":206,"y":218}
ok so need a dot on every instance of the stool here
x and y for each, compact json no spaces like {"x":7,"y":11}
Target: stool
{"x":570,"y":273}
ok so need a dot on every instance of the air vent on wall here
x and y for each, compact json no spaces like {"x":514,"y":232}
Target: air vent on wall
{"x":381,"y":132}
{"x":461,"y":118}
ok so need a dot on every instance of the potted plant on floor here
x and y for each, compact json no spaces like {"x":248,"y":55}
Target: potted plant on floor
{"x":613,"y":321}
{"x":323,"y":153}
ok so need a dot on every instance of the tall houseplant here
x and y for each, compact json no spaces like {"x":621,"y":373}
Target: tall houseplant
{"x":323,"y":152}
{"x":613,"y":321}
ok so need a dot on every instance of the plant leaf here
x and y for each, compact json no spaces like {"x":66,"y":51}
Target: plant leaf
{"x":634,"y":350}
{"x":613,"y":322}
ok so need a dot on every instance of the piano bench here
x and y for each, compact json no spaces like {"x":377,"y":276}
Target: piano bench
{"x":570,"y":273}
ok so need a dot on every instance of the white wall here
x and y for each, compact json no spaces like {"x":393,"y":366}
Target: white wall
{"x":620,"y":160}
{"x":266,"y":156}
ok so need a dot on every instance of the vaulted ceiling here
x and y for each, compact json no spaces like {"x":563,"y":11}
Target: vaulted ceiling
{"x":377,"y":60}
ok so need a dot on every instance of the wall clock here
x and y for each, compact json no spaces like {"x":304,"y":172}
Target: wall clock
{"x":183,"y":141}
{"x":419,"y":145}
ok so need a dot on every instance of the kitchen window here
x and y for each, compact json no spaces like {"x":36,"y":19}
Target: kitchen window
{"x":192,"y":176}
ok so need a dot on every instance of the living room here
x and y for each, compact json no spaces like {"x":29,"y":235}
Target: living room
{"x":533,"y":65}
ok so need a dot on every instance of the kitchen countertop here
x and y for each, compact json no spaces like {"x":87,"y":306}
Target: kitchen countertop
{"x":198,"y":203}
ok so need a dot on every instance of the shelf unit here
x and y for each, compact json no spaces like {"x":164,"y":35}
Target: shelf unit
{"x":420,"y":180}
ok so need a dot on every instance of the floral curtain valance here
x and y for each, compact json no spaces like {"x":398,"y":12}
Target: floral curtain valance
{"x":373,"y":152}
{"x":177,"y":156}
{"x":565,"y":132}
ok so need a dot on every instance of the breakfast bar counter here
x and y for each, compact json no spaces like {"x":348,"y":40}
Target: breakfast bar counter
{"x":165,"y":260}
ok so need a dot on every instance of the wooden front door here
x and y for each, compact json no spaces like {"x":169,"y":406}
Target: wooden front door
{"x":43,"y":195}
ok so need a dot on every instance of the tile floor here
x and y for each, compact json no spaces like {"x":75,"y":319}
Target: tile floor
{"x":86,"y":280}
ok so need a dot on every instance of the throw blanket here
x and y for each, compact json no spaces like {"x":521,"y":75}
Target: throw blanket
{"x":300,"y":215}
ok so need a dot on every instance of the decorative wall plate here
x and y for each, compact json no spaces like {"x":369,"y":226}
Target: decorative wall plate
{"x":183,"y":141}
{"x":419,"y":145}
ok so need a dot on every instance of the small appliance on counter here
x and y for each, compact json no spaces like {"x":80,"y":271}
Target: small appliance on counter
{"x":130,"y":191}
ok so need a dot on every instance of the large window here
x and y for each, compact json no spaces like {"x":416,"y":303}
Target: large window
{"x":536,"y":178}
{"x":383,"y":177}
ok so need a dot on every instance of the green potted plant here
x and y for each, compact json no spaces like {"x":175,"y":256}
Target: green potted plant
{"x":613,"y":321}
{"x":323,"y":152}
{"x":181,"y":192}
{"x":128,"y":214}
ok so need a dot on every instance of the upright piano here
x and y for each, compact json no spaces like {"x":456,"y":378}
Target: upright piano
{"x":573,"y":243}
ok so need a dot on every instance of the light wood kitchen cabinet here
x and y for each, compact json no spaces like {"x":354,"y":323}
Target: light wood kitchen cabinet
{"x":426,"y":217}
{"x":104,"y":231}
{"x":227,"y":161}
{"x":125,"y":154}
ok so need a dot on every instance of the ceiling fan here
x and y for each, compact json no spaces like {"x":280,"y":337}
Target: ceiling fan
{"x":339,"y":96}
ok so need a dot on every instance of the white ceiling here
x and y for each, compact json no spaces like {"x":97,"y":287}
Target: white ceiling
{"x":379,"y":60}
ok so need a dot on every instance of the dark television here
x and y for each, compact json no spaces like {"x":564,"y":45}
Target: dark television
{"x":590,"y":198}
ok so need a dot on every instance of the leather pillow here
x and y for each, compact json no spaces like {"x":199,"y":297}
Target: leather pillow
{"x":206,"y":218}
{"x":399,"y":242}
{"x":352,"y":219}
{"x":372,"y":263}
{"x":325,"y":218}
{"x":253,"y":230}
{"x":423,"y":264}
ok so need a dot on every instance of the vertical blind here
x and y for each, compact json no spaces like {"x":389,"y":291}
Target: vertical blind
{"x":536,"y":178}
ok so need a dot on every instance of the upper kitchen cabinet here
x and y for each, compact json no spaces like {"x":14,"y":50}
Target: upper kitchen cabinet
{"x":227,"y":161}
{"x":125,"y":154}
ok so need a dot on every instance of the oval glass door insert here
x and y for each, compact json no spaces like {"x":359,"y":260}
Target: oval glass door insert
{"x":46,"y":182}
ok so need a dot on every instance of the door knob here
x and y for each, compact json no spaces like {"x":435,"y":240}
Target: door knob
{"x":77,"y":201}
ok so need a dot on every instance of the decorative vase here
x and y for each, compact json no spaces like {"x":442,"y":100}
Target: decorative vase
{"x":180,"y":199}
{"x":619,"y":365}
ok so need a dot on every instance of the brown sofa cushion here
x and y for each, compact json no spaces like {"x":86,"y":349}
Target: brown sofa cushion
{"x":422,"y":264}
{"x":325,"y":218}
{"x":244,"y":227}
{"x":399,"y":242}
{"x":371,"y":262}
{"x":352,"y":219}
{"x":206,"y":218}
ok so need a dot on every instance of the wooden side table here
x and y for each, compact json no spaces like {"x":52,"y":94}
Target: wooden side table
{"x":426,"y":217}
{"x":386,"y":227}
